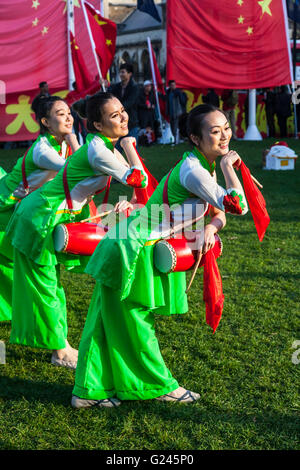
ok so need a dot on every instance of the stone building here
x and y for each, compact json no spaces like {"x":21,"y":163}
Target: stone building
{"x":134,"y":27}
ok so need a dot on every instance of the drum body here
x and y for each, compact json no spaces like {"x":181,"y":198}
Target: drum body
{"x":78,"y":238}
{"x":179,"y":254}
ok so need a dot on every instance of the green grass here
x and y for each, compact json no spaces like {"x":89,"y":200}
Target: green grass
{"x":244,"y":372}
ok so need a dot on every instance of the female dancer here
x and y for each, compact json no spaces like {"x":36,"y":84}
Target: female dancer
{"x":119,"y":356}
{"x":41,"y":162}
{"x":39,"y":306}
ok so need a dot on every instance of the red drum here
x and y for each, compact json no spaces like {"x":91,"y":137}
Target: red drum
{"x":176,"y":254}
{"x":78,"y":238}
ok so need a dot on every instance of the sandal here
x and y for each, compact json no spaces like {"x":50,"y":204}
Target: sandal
{"x":77,"y":402}
{"x":63,"y":363}
{"x":187,"y":397}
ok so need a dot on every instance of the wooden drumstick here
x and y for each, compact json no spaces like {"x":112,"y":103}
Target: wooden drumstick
{"x":194,"y":271}
{"x":103,"y":214}
{"x":256,"y":182}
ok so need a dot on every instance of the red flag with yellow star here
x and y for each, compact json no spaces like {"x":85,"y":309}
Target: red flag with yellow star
{"x":104,"y":33}
{"x":237,"y":44}
{"x":82,"y":76}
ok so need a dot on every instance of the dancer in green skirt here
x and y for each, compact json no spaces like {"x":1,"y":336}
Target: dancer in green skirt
{"x":41,"y":162}
{"x":39,"y":307}
{"x":119,"y":356}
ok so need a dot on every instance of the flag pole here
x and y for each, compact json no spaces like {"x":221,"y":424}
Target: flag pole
{"x":92,"y":44}
{"x":252,"y":132}
{"x":70,"y":27}
{"x":155,"y":87}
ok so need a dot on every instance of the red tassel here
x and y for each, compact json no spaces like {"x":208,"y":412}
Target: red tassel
{"x":212,"y":291}
{"x":257,"y":204}
{"x":144,"y":194}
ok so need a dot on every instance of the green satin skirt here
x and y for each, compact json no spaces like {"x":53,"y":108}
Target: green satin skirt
{"x":119,"y":354}
{"x":6,"y":266}
{"x":39,"y":316}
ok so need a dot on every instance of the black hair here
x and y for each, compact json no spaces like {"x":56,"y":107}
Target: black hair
{"x":171,"y":81}
{"x":192,"y":122}
{"x":127,"y":67}
{"x":90,"y":108}
{"x":41,"y":84}
{"x":44,"y":109}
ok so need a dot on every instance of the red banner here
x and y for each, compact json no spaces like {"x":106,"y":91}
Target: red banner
{"x":235,"y":44}
{"x":33,"y":42}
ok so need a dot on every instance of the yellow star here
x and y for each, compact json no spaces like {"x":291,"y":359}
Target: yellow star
{"x":35,"y":22}
{"x":241,"y":19}
{"x":108,"y":42}
{"x":240,"y":2}
{"x":45,"y":30}
{"x":265,"y":7}
{"x":250,"y":30}
{"x":35,"y":4}
{"x":100,"y":22}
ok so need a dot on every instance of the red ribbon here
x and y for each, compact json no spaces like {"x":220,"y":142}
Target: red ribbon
{"x":257,"y":204}
{"x":212,"y":291}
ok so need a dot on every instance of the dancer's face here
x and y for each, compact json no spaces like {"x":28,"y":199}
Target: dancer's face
{"x":114,"y":121}
{"x":60,"y":120}
{"x":216,"y":135}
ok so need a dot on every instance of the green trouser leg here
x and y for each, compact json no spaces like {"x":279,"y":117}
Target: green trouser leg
{"x":39,"y":316}
{"x":6,"y":267}
{"x":119,"y":353}
{"x":6,"y":277}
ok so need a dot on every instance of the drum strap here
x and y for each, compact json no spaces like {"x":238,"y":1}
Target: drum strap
{"x":68,"y":194}
{"x":166,"y":199}
{"x":25,"y":182}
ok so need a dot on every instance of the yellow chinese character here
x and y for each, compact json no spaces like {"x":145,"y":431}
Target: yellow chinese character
{"x":23,"y":111}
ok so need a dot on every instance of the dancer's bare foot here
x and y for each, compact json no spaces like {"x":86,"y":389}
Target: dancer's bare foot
{"x":66,"y":357}
{"x":180,"y":395}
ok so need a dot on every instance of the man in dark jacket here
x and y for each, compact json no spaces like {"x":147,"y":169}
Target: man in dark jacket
{"x":44,"y":93}
{"x":176,"y":105}
{"x":146,"y":106}
{"x":127,"y":91}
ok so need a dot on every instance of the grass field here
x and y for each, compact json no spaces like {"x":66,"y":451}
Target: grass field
{"x":244,"y":372}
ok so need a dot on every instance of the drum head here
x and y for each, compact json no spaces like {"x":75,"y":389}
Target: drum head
{"x":164,"y":255}
{"x":60,"y":237}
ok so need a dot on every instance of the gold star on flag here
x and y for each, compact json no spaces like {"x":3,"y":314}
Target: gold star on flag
{"x":45,"y":30}
{"x":265,"y":7}
{"x":100,"y":22}
{"x":35,"y":4}
{"x":240,"y":2}
{"x":108,"y":42}
{"x":250,"y":30}
{"x":241,"y":19}
{"x":35,"y":22}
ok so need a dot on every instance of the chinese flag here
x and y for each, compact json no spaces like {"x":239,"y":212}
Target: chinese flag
{"x":160,"y":86}
{"x":82,"y":76}
{"x":104,"y":33}
{"x":228,"y":44}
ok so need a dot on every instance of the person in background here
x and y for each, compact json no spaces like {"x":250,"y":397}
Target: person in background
{"x":211,"y":98}
{"x":230,"y":99}
{"x":44,"y":93}
{"x":176,"y":106}
{"x":79,"y":127}
{"x":270,"y":104}
{"x":283,"y":109}
{"x":127,"y":91}
{"x":146,"y":106}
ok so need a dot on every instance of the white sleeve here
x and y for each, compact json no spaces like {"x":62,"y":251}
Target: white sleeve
{"x":46,"y":157}
{"x":198,"y":181}
{"x":104,"y":161}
